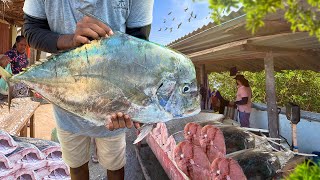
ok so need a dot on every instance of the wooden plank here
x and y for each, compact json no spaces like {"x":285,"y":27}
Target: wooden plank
{"x":280,"y":50}
{"x":202,"y":85}
{"x":24,"y":131}
{"x":21,"y":111}
{"x":273,"y":117}
{"x":32,"y":127}
{"x":237,"y":45}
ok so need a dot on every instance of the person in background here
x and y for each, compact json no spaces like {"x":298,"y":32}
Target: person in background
{"x":5,"y":64}
{"x":218,"y":102}
{"x":54,"y":26}
{"x":243,"y":100}
{"x":18,"y":55}
{"x":19,"y":61}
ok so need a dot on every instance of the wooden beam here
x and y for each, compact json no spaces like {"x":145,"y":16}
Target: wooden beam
{"x":232,"y":58}
{"x":237,"y":44}
{"x":273,"y":117}
{"x":280,"y":50}
{"x":206,"y":33}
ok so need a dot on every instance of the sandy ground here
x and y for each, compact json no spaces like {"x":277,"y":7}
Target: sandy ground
{"x":44,"y":120}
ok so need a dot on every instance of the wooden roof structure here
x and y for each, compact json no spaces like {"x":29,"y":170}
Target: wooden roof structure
{"x":221,"y":47}
{"x":11,"y":11}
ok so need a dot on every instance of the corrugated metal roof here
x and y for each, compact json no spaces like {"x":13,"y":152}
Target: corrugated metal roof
{"x":232,"y":15}
{"x":230,"y":44}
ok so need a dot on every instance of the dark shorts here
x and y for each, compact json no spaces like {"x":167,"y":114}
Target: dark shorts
{"x":244,"y":119}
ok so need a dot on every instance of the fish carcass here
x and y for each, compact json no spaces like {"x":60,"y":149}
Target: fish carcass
{"x":231,"y":152}
{"x":147,"y":81}
{"x":30,"y":158}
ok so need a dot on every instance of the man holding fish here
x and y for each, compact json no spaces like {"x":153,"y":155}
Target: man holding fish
{"x":54,"y":26}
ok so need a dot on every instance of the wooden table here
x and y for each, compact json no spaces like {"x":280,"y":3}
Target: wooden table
{"x":22,"y":110}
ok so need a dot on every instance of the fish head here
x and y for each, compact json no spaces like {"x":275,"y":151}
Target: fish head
{"x":178,"y":93}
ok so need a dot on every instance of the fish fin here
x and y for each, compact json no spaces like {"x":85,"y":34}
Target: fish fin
{"x":145,"y":130}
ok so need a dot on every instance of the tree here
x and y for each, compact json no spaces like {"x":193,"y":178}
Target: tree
{"x":302,"y":14}
{"x":300,"y":87}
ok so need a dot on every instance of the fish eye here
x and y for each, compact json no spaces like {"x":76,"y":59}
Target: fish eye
{"x":186,"y":89}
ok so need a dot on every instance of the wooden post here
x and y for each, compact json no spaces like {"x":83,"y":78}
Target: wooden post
{"x":202,"y":74}
{"x":24,"y":131}
{"x":33,"y":56}
{"x":204,"y":85}
{"x":273,"y":117}
{"x":38,"y":55}
{"x":32,"y":126}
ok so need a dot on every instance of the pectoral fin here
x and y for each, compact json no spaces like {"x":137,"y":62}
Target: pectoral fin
{"x":144,"y":131}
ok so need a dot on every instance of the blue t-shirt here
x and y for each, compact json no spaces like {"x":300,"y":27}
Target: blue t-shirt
{"x":62,"y":16}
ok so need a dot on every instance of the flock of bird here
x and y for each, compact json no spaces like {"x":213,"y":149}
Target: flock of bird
{"x":170,"y":18}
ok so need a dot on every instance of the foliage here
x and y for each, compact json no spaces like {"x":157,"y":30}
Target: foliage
{"x":306,"y":171}
{"x":299,"y":87}
{"x":302,"y":14}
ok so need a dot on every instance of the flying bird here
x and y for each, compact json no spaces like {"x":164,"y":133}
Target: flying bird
{"x":173,"y":19}
{"x":160,"y":29}
{"x":170,"y":29}
{"x":189,"y":19}
{"x":165,"y":28}
{"x":169,"y":13}
{"x":191,"y":14}
{"x":185,"y":10}
{"x":164,"y":21}
{"x":195,"y":16}
{"x":179,"y":25}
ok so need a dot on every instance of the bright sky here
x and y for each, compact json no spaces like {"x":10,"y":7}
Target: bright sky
{"x":179,"y":14}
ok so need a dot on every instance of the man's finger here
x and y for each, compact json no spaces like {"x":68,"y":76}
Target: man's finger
{"x":81,"y":40}
{"x":96,"y":28}
{"x":128,"y":121}
{"x":87,"y":32}
{"x":115,"y":121}
{"x":109,"y":124}
{"x":122,"y":124}
{"x":106,"y":28}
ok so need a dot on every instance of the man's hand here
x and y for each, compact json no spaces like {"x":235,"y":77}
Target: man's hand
{"x":87,"y":29}
{"x":90,"y":28}
{"x":119,"y":120}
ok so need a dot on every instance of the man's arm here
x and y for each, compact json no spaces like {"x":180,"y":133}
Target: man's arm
{"x":140,"y":32}
{"x":39,"y":35}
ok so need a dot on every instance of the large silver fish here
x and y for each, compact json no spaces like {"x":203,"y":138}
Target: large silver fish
{"x":147,"y":81}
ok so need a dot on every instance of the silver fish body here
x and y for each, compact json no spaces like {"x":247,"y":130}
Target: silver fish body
{"x":122,"y":73}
